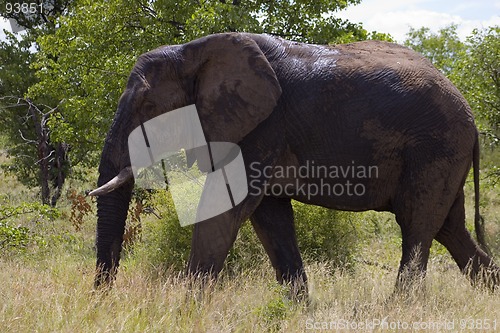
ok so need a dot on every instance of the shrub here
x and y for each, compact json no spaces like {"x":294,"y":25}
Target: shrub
{"x":10,"y":236}
{"x":323,"y":234}
{"x":19,"y":237}
{"x":164,"y":243}
{"x":327,"y":235}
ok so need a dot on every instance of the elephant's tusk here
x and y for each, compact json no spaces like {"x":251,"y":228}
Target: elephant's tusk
{"x":114,"y":183}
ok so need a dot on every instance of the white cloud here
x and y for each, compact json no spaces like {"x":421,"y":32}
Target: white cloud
{"x":397,"y":17}
{"x":398,"y":23}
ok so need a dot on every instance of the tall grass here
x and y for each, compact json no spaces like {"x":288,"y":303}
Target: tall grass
{"x":46,"y":286}
{"x":54,"y":295}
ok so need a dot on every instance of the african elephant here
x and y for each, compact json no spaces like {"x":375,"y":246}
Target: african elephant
{"x":307,"y":117}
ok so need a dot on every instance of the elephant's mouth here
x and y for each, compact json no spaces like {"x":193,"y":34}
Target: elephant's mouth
{"x":124,"y":176}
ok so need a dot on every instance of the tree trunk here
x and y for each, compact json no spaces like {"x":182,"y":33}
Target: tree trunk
{"x":59,"y":170}
{"x":43,"y":151}
{"x":52,"y":161}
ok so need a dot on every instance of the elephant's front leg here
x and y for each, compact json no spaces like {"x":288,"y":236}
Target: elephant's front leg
{"x":273,"y":222}
{"x":212,"y":239}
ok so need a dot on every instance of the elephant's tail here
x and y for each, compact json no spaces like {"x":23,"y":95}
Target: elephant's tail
{"x":478,"y":219}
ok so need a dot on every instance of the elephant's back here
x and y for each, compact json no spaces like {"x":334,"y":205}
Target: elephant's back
{"x":374,"y":54}
{"x":376,"y":100}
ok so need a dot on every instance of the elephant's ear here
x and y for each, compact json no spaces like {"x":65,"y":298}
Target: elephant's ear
{"x":235,"y":86}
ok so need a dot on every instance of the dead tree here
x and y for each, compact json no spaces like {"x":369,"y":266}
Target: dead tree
{"x":51,"y":158}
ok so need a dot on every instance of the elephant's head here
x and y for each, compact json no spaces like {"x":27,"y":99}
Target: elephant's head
{"x":231,"y":83}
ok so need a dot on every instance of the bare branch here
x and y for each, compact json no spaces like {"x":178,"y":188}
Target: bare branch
{"x":27,"y":140}
{"x":45,"y":157}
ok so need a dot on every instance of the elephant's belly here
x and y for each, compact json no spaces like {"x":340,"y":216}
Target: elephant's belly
{"x":347,"y":184}
{"x":343,"y":194}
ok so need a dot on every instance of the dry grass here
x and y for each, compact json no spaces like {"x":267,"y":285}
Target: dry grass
{"x":53,"y":294}
{"x":48,"y":289}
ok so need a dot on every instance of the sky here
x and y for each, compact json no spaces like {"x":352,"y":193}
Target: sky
{"x":396,"y":17}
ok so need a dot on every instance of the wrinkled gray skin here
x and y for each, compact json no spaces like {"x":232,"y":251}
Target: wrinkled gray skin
{"x":289,"y":104}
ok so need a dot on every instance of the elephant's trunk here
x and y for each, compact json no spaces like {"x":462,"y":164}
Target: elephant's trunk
{"x":112,"y":211}
{"x":112,"y":206}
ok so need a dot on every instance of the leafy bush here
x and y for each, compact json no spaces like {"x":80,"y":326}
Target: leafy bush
{"x":13,"y":236}
{"x":323,"y":234}
{"x":247,"y":250}
{"x":165,"y":243}
{"x":19,"y":237}
{"x":327,"y":235}
{"x":37,"y":210}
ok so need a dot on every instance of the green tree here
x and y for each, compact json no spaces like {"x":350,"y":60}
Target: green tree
{"x":86,"y":61}
{"x":443,"y":48}
{"x":32,"y":18}
{"x":473,"y":66}
{"x":60,"y":81}
{"x":477,"y":74}
{"x":478,"y":77}
{"x":35,"y":158}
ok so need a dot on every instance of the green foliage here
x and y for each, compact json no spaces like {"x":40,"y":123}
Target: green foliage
{"x":375,"y":35}
{"x":17,"y":53}
{"x":473,"y":66}
{"x":477,"y":75}
{"x":246,"y":252}
{"x":274,"y":313}
{"x":15,"y":78}
{"x":33,"y":17}
{"x":19,"y":237}
{"x":36,"y":210}
{"x":323,"y":235}
{"x":165,"y":243}
{"x":15,"y":58}
{"x":327,"y":235}
{"x":443,"y":48}
{"x":86,"y":61}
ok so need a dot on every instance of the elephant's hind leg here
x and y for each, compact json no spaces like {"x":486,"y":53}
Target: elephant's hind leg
{"x":416,"y":244}
{"x":420,"y":211}
{"x":466,"y":253}
{"x":273,"y":223}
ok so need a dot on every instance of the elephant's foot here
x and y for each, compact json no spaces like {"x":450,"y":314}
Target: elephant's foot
{"x":297,"y":284}
{"x":299,"y":290}
{"x":483,"y":275}
{"x":410,"y":283}
{"x":104,"y":277}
